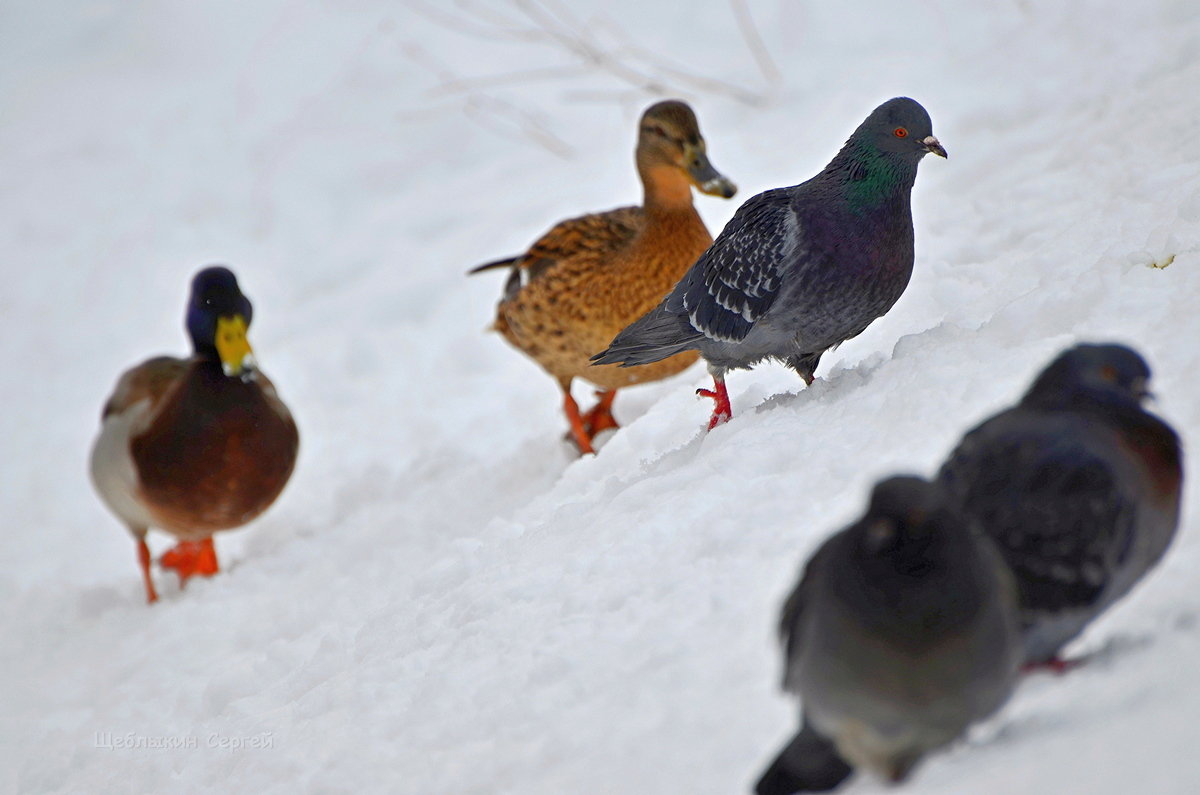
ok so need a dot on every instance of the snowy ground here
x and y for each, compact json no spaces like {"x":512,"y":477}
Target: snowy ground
{"x":444,"y":600}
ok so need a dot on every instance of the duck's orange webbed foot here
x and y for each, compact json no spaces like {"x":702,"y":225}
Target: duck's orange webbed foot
{"x":144,"y":563}
{"x":722,"y":411}
{"x":191,"y":559}
{"x":600,"y":417}
{"x":582,"y":439}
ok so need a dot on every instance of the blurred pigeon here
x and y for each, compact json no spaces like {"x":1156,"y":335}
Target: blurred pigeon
{"x":797,"y":270}
{"x":1079,"y":487}
{"x":901,"y":633}
{"x":809,"y":763}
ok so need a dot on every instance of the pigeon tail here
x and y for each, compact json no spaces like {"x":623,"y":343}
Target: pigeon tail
{"x":651,"y":338}
{"x":809,"y":763}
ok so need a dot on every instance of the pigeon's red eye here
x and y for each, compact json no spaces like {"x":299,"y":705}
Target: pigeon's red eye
{"x":900,"y":132}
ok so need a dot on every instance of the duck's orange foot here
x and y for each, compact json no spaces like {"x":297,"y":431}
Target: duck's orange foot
{"x":600,"y":417}
{"x":191,"y":559}
{"x":144,"y":563}
{"x":579,"y":434}
{"x":722,"y":411}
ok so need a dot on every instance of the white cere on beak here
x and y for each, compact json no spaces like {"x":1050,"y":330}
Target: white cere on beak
{"x":934,"y":145}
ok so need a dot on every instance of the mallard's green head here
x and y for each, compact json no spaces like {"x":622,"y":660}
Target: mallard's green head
{"x":218,"y":317}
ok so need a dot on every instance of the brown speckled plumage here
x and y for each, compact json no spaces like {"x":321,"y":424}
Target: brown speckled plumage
{"x":572,"y":308}
{"x":588,"y":277}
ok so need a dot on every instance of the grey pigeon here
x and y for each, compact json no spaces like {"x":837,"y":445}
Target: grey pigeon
{"x":797,"y":270}
{"x":1078,"y":485}
{"x":901,"y":633}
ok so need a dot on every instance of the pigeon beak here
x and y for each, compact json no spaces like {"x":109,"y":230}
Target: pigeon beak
{"x":1141,"y":390}
{"x":935,"y":146}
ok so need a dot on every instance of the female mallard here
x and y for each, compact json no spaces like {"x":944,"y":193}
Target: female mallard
{"x":193,"y":446}
{"x":589,"y":277}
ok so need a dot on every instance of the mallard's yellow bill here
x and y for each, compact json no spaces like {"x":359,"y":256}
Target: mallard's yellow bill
{"x":232,"y":345}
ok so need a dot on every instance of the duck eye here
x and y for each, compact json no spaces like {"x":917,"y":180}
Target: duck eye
{"x":654,"y":128}
{"x":900,"y":132}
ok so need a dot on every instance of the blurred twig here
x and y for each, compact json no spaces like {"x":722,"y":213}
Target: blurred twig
{"x":495,"y":114}
{"x":594,"y":46}
{"x":754,"y":41}
{"x":504,"y":117}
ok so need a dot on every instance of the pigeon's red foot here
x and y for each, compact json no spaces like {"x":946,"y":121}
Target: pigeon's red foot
{"x":191,"y":559}
{"x":1055,"y":665}
{"x":144,"y":563}
{"x":722,"y":411}
{"x":600,"y":417}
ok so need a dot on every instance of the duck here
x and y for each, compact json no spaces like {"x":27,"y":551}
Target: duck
{"x":590,"y":276}
{"x":197,"y":445}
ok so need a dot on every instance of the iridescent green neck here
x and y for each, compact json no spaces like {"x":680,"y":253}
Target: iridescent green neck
{"x":870,"y":176}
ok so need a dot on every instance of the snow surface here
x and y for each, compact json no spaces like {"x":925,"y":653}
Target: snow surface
{"x":445,"y":600}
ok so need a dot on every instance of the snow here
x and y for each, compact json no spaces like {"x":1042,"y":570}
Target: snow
{"x":444,"y":600}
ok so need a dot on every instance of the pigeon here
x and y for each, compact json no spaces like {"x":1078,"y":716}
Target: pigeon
{"x":809,"y":763}
{"x":797,"y":270}
{"x":902,"y":633}
{"x":1078,"y":485}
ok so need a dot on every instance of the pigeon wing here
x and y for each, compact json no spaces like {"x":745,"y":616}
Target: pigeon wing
{"x":737,"y":279}
{"x":1055,"y":508}
{"x":791,"y":618}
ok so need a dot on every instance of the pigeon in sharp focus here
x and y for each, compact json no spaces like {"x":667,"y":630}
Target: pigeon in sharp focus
{"x":797,"y":270}
{"x":1079,"y":487}
{"x":902,"y":632}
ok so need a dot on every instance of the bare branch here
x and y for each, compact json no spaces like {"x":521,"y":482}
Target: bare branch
{"x":477,"y":25}
{"x":462,"y":84}
{"x":754,"y":42}
{"x":492,"y":112}
{"x":593,"y":46}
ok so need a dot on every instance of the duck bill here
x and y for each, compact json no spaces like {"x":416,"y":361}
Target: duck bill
{"x":934,"y":146}
{"x":232,"y":346}
{"x":706,"y":178}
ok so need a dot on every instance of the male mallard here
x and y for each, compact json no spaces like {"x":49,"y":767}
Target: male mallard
{"x":589,"y":277}
{"x":193,"y":446}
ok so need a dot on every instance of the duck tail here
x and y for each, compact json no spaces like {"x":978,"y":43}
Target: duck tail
{"x":654,"y":336}
{"x":514,"y":282}
{"x":488,"y":266}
